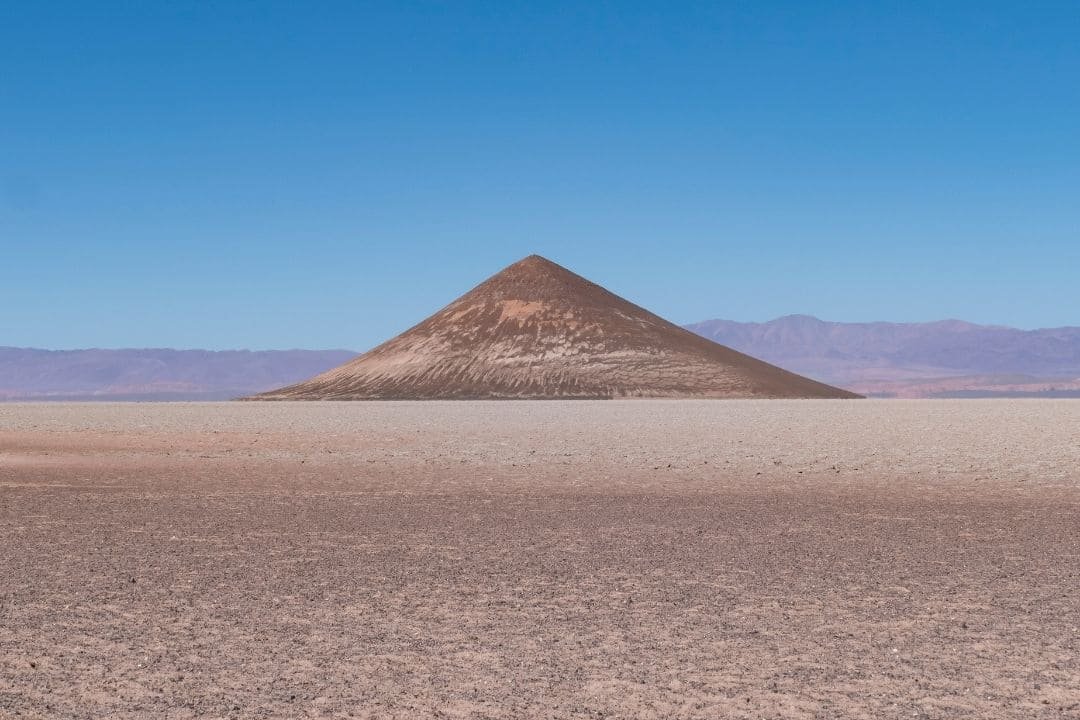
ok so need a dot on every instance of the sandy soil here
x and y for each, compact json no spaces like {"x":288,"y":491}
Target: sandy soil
{"x":652,"y":559}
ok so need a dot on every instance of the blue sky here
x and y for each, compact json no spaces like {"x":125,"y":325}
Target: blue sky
{"x":274,"y":175}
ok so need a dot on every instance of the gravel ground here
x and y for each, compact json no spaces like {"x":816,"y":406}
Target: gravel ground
{"x":650,"y":559}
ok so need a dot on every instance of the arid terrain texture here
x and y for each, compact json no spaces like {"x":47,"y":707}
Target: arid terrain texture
{"x":623,"y":559}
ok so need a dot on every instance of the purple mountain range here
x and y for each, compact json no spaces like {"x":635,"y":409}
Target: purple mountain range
{"x":949,"y":358}
{"x":29,"y":374}
{"x":939,"y":359}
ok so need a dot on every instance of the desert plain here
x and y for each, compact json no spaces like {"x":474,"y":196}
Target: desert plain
{"x":618,"y":559}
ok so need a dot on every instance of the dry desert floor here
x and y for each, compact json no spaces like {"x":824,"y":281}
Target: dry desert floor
{"x":649,"y":559}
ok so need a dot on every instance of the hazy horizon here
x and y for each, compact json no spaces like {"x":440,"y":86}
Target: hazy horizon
{"x":357,"y":350}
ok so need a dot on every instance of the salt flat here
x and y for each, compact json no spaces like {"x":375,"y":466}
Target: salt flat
{"x":541,"y":559}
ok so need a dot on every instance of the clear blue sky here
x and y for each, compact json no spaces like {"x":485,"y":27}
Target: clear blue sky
{"x":273,"y":175}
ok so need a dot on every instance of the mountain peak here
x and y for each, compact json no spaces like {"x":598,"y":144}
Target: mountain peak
{"x":533,"y":272}
{"x":800,"y":319}
{"x":538,"y":330}
{"x":536,"y":261}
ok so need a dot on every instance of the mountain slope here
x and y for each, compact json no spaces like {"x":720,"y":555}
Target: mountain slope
{"x":537,"y":330}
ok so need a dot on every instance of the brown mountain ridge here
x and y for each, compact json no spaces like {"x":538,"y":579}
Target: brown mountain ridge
{"x":538,"y":331}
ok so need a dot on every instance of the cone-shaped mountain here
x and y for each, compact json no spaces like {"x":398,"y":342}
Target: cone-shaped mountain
{"x":537,"y":330}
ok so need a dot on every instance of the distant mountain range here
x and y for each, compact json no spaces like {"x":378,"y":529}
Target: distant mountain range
{"x":29,"y":374}
{"x":938,"y":359}
{"x":949,"y":358}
